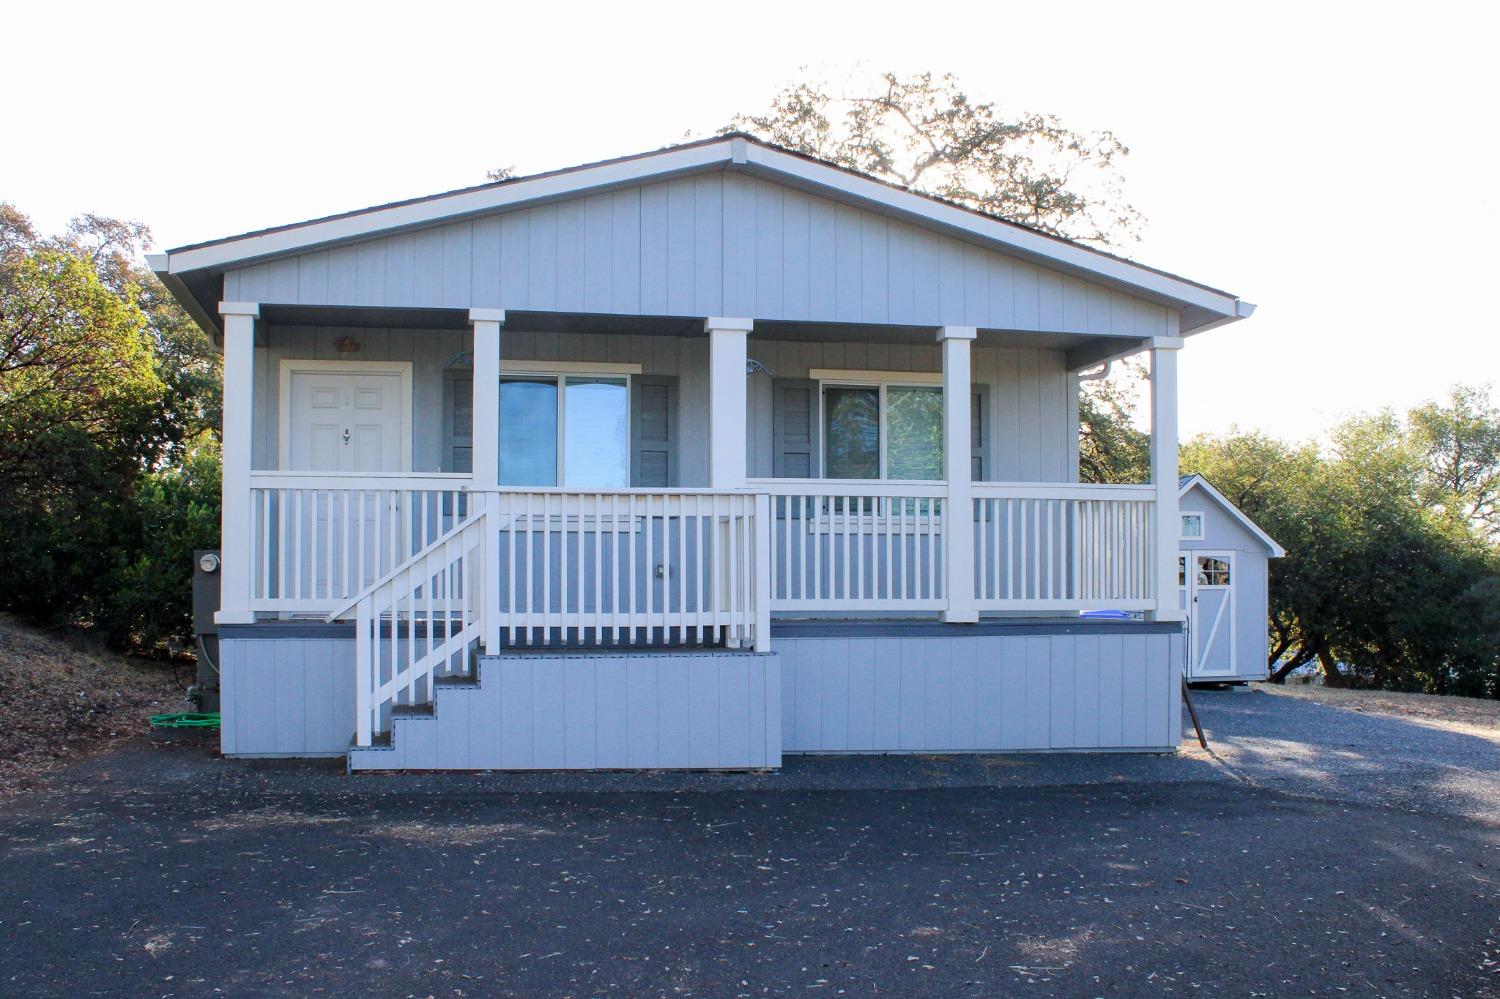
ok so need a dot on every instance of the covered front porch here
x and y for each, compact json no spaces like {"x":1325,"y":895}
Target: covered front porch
{"x":696,"y":503}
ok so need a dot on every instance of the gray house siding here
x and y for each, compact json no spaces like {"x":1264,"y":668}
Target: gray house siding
{"x":714,"y":244}
{"x":1031,"y":413}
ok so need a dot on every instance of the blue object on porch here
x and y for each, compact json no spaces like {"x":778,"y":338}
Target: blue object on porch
{"x":1106,"y":615}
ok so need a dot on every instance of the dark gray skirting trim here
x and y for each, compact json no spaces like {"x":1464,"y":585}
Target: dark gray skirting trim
{"x":919,"y":628}
{"x":287,"y":629}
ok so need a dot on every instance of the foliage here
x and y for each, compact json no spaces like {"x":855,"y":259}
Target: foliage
{"x":1111,"y":448}
{"x":1460,"y":440}
{"x":175,"y":511}
{"x":107,"y":393}
{"x":925,"y":133}
{"x":1380,"y":587}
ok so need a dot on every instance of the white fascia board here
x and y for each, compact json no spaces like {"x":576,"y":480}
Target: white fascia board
{"x":1223,"y":501}
{"x":365,"y":224}
{"x":1023,"y":240}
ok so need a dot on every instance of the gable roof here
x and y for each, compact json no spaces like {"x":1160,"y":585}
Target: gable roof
{"x":1201,"y":306}
{"x":1187,"y":482}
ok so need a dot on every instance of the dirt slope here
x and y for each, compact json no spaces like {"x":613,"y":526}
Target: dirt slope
{"x":62,"y":697}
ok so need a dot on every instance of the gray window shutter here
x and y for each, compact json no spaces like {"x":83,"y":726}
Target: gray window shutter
{"x":794,"y":428}
{"x":458,"y":422}
{"x":653,"y":431}
{"x":979,"y":425}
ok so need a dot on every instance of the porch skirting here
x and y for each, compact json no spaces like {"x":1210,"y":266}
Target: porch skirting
{"x":828,"y":687}
{"x":1017,"y":688}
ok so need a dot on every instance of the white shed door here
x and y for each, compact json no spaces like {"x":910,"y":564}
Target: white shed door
{"x":1208,"y":591}
{"x":345,"y":421}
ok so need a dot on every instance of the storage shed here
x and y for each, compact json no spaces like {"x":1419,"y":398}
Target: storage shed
{"x":1222,"y":575}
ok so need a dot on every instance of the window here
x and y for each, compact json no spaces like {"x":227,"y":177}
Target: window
{"x":1212,"y":571}
{"x":885,"y":430}
{"x":572,"y":430}
{"x":1192,"y":526}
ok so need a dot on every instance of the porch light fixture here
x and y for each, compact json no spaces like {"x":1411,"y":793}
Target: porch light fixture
{"x":752,"y":366}
{"x":346,"y":345}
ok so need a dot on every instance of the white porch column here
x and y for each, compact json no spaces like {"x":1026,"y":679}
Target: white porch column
{"x":486,"y":467}
{"x":958,"y":509}
{"x":236,"y":557}
{"x":727,"y":401}
{"x":1164,"y":473}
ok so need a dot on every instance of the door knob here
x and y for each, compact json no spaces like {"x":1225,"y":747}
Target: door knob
{"x":346,"y":435}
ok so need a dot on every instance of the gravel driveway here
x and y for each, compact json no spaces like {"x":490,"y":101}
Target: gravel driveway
{"x":1282,"y":870}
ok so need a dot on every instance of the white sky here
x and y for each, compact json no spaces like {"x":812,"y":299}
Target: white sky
{"x":1332,"y":163}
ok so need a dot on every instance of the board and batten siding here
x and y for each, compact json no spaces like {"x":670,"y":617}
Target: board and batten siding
{"x":286,"y":696}
{"x":715,"y":244}
{"x":1031,"y":411}
{"x":985,"y":693}
{"x":699,"y":710}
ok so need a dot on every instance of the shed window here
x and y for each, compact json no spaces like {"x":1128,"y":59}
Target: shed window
{"x":1212,"y":571}
{"x":1192,"y":526}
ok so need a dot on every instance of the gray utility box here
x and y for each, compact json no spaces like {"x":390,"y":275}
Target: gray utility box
{"x":205,"y":631}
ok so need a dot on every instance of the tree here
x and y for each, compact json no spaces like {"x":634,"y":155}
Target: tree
{"x":1111,"y":448}
{"x":108,"y":415}
{"x":1460,"y":439}
{"x":926,"y":134}
{"x":1379,"y":587}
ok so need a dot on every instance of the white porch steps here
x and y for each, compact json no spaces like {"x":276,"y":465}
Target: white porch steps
{"x":592,"y":710}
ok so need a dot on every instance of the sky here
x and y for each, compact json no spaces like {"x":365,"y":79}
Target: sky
{"x":1332,"y":163}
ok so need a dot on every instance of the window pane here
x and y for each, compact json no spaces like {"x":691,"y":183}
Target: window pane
{"x":596,"y":452}
{"x":852,"y":433}
{"x":914,"y":420}
{"x":1192,"y":525}
{"x":528,"y":432}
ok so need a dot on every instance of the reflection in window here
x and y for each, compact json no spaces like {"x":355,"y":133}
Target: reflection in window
{"x":852,"y":432}
{"x":1181,"y":570}
{"x":594,"y":414}
{"x":914,"y":421}
{"x":1192,"y":526}
{"x":1212,"y":571}
{"x":596,"y":449}
{"x":528,"y":432}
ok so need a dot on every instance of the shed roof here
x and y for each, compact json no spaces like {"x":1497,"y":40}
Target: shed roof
{"x":1187,"y":482}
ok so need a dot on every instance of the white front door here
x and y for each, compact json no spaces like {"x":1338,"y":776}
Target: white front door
{"x":1208,"y":593}
{"x":351,"y":422}
{"x":345,"y":421}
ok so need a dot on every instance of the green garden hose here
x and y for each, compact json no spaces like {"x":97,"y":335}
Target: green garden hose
{"x":186,"y":719}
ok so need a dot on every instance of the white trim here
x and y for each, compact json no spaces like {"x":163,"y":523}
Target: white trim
{"x":856,"y":376}
{"x":1182,"y":534}
{"x":509,"y":367}
{"x":292,"y":365}
{"x":239,"y":309}
{"x":728,"y":323}
{"x":1239,"y":515}
{"x":733,"y":153}
{"x":487,"y":316}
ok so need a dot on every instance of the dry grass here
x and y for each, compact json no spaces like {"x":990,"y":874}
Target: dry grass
{"x":63,"y":697}
{"x":1460,"y":714}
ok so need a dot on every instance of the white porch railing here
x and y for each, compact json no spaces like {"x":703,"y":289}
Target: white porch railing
{"x":1063,"y":547}
{"x":675,"y":566}
{"x":856,"y":545}
{"x":880,"y":546}
{"x":318,"y":538}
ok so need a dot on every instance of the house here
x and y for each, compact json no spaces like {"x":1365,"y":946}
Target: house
{"x":686,"y":459}
{"x":1225,"y":595}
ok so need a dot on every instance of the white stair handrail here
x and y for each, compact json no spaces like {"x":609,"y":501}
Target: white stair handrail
{"x":343,"y":609}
